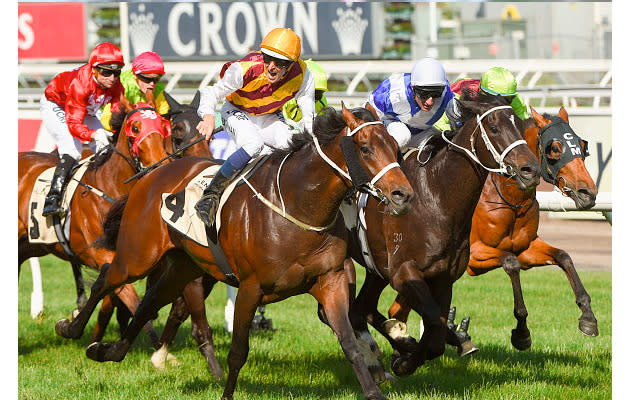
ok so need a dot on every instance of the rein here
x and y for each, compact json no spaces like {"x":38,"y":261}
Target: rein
{"x":503,"y":169}
{"x":517,"y":206}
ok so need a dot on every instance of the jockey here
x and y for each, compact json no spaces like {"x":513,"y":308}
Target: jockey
{"x":145,"y":73}
{"x":255,"y":87}
{"x":496,"y":81}
{"x":291,"y":111}
{"x":69,"y":106}
{"x":409,"y":104}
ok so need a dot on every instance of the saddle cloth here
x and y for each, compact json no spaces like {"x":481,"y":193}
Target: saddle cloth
{"x":178,"y":209}
{"x":40,"y":228}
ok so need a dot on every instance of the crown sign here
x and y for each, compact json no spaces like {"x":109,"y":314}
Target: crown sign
{"x":142,"y":31}
{"x":350,"y":29}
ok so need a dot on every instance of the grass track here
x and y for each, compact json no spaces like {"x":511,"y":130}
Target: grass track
{"x":302,"y":359}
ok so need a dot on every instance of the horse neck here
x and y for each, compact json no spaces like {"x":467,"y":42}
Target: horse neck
{"x":531,"y":134}
{"x":111,"y":175}
{"x":451,"y":179}
{"x":317,"y":188}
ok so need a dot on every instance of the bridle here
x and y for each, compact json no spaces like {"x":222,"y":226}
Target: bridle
{"x":498,"y":157}
{"x":356,"y":173}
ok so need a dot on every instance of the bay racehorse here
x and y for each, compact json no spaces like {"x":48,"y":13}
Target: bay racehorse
{"x":423,"y":254}
{"x":142,"y":143}
{"x":505,"y":222}
{"x":272,"y":254}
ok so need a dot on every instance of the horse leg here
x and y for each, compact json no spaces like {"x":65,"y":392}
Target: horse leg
{"x":247,"y":300}
{"x":78,"y":280}
{"x":108,"y":279}
{"x":104,"y":315}
{"x":331,"y":291}
{"x":178,"y":314}
{"x":167,"y":288}
{"x":399,"y":309}
{"x":129,"y":297}
{"x":372,"y":355}
{"x":521,"y":338}
{"x":541,"y":253}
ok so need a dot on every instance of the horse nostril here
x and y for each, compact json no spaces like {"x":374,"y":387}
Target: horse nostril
{"x":400,"y":196}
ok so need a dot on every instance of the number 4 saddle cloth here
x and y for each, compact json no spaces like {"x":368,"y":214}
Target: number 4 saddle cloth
{"x":178,"y":209}
{"x":40,"y":228}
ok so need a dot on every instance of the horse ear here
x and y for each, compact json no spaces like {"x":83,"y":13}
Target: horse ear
{"x":124,"y":102}
{"x":173,"y":105}
{"x":371,"y":109}
{"x":150,"y":98}
{"x":195,"y":100}
{"x":351,"y":120}
{"x":470,"y":107}
{"x":539,"y":119}
{"x":563,"y":114}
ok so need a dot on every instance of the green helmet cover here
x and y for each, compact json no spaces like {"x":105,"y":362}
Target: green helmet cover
{"x":498,"y":81}
{"x":321,"y":83}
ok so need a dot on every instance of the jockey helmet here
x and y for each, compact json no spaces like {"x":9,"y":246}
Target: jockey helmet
{"x":499,"y":82}
{"x":148,"y":62}
{"x":428,"y":72}
{"x":106,"y":55}
{"x":282,"y":43}
{"x":319,"y":76}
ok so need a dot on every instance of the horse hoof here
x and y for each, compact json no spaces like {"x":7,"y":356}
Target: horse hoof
{"x":467,"y":348}
{"x":74,"y":315}
{"x":401,"y":365}
{"x":588,"y":328}
{"x":521,"y":342}
{"x":94,"y":352}
{"x":62,"y":328}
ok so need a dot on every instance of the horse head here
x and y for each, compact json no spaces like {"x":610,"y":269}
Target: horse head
{"x":184,"y":120}
{"x":561,"y":153}
{"x":144,"y":135}
{"x":376,"y":151}
{"x":501,"y":148}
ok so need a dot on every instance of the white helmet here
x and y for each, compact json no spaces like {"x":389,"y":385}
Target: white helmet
{"x":428,"y":72}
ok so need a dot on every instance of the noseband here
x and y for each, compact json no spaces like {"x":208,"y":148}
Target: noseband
{"x":503,"y":169}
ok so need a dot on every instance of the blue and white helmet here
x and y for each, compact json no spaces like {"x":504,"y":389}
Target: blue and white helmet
{"x":428,"y":72}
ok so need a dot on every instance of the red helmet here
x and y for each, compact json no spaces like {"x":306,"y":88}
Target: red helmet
{"x":148,"y":62}
{"x":107,"y":55}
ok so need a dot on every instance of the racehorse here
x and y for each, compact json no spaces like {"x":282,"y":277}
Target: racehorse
{"x":423,"y":254}
{"x":505,"y":222}
{"x":273,"y":254}
{"x":143,"y":144}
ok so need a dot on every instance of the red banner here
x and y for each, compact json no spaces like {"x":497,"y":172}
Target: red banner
{"x":52,"y":31}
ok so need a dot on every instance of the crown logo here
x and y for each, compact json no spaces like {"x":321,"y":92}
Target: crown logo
{"x":142,"y":30}
{"x":350,"y":29}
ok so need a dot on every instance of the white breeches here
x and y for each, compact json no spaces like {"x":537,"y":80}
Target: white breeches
{"x":54,"y":118}
{"x":256,"y":134}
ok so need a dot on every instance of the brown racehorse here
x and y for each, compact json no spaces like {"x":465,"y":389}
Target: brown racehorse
{"x":272,"y":256}
{"x":505,"y":222}
{"x":143,"y":145}
{"x":185,"y":142}
{"x":424,"y":253}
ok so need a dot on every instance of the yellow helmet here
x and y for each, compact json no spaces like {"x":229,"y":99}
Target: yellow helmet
{"x":321,"y":83}
{"x":282,"y":43}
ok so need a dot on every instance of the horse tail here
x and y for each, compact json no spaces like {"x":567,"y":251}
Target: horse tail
{"x":111,"y":226}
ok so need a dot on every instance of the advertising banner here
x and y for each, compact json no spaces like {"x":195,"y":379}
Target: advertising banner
{"x":51,"y":31}
{"x":229,"y":30}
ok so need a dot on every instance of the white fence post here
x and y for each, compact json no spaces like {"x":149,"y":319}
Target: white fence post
{"x":37,"y":296}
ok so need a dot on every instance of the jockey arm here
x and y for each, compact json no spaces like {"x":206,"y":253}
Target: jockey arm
{"x":305,"y":98}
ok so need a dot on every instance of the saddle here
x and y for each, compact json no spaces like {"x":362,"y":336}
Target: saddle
{"x":42,"y":229}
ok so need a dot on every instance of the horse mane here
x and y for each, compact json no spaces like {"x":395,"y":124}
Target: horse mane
{"x":326,"y":127}
{"x":478,"y":96}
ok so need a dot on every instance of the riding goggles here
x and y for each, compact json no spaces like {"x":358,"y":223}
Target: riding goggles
{"x":425,"y":93}
{"x":148,"y":79}
{"x":108,"y":72}
{"x":279,"y":62}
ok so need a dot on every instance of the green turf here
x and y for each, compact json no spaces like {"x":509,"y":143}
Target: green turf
{"x":302,"y":359}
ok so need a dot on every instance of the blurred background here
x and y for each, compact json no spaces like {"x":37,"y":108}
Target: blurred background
{"x":560,"y":52}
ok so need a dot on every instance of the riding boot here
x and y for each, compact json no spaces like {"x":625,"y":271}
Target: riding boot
{"x":209,"y":202}
{"x":60,"y":179}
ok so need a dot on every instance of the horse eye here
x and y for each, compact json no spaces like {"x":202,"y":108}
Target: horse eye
{"x":493,"y":129}
{"x":366,"y":150}
{"x":135,"y":129}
